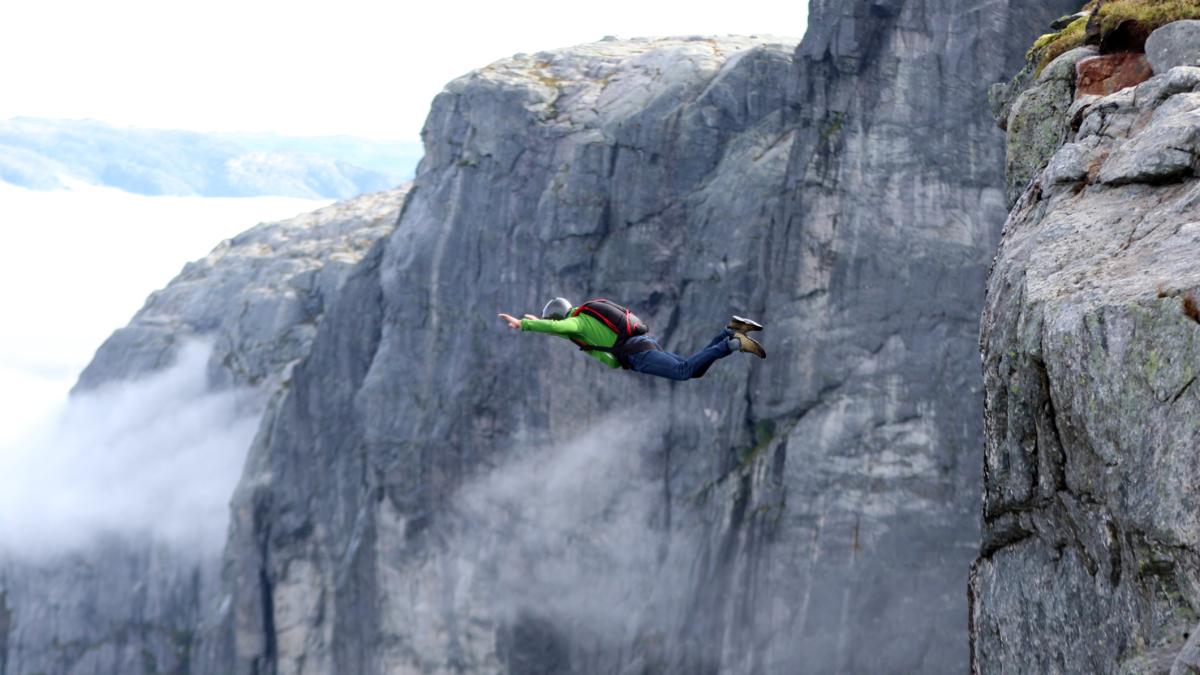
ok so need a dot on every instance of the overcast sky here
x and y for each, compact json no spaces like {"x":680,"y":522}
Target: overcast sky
{"x":295,"y":67}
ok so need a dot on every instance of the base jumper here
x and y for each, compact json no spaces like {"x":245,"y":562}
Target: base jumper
{"x":617,"y":338}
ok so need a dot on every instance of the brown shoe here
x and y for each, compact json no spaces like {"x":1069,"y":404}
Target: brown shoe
{"x":740,"y":324}
{"x":749,"y":344}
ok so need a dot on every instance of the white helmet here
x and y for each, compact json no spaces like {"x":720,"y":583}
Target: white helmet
{"x":558,"y":308}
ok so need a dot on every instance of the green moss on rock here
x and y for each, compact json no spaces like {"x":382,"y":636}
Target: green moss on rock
{"x":1150,"y":14}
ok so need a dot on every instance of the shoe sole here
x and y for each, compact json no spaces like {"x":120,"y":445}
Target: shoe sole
{"x":758,"y":348}
{"x":746,"y":324}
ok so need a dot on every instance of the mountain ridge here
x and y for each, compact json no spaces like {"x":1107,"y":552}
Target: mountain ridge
{"x":40,"y":153}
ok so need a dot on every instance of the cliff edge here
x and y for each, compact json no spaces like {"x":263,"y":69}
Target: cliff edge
{"x":1090,"y":343}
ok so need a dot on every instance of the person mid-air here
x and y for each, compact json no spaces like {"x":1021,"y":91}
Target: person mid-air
{"x":615,"y":336}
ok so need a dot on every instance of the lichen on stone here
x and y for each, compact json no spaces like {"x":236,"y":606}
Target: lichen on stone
{"x":1148,"y":14}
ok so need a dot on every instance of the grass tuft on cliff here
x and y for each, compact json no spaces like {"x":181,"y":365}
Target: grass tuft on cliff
{"x":1149,"y":13}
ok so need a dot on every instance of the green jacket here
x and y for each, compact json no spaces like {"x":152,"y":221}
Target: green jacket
{"x":583,"y":328}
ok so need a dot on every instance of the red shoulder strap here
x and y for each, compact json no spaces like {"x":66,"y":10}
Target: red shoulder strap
{"x":586,"y":307}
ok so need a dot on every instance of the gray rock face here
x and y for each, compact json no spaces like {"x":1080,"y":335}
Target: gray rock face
{"x":431,"y":495}
{"x":1175,"y":44}
{"x":1188,"y":660}
{"x":1037,"y":121}
{"x":1089,"y":560}
{"x":134,"y":606}
{"x":118,"y":607}
{"x":260,"y":295}
{"x":1167,"y":148}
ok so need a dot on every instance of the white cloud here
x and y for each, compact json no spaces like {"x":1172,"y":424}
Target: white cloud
{"x":156,"y":457}
{"x":76,"y":265}
{"x":573,"y":532}
{"x":302,"y":67}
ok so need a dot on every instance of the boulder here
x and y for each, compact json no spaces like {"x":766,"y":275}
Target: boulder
{"x":1110,"y":73}
{"x":1166,"y":150}
{"x":1175,"y":44}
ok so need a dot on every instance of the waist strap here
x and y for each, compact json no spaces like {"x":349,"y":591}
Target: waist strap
{"x":623,"y":348}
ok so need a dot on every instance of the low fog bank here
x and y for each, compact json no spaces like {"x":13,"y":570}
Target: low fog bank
{"x":158,"y":457}
{"x":77,"y":264}
{"x":574,"y":535}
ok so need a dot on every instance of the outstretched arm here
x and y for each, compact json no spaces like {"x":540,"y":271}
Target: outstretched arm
{"x":513,"y":322}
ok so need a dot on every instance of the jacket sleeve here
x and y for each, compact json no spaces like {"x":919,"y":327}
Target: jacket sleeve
{"x":568,"y":327}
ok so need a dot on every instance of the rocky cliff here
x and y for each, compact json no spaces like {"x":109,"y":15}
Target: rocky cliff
{"x":1090,"y":560}
{"x":122,"y":598}
{"x":428,"y":492}
{"x":438,"y":495}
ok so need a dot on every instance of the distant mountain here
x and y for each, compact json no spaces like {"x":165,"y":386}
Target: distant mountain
{"x":44,"y":154}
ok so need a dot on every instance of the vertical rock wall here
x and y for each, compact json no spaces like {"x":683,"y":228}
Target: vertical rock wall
{"x":786,"y":513}
{"x":1089,"y":559}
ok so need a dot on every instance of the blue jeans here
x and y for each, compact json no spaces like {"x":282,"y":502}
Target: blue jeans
{"x":675,"y":367}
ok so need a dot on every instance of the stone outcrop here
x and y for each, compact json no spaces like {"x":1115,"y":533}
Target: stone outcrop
{"x":1036,"y":121}
{"x":1090,"y":559}
{"x":130,"y":606}
{"x":1175,"y":44}
{"x":846,"y":192}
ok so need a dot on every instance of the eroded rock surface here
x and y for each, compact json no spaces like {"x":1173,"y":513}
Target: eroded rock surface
{"x":1036,"y":121}
{"x":1090,"y":343}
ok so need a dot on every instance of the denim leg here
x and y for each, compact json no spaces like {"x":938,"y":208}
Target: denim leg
{"x":661,"y":363}
{"x":675,"y":367}
{"x":717,"y":349}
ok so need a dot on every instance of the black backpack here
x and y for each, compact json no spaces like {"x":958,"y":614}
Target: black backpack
{"x":623,"y":322}
{"x":619,"y":319}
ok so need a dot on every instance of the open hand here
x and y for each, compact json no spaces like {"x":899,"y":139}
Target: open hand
{"x":512,"y":321}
